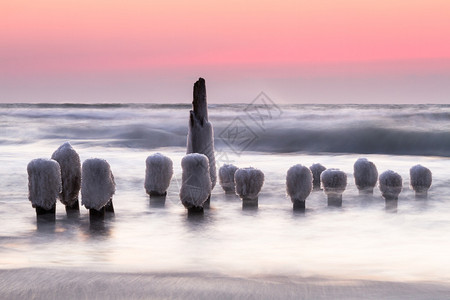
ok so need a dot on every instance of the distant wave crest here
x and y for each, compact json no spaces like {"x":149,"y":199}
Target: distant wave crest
{"x":377,"y":129}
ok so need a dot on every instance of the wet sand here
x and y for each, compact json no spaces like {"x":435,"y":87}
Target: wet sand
{"x":41,"y":283}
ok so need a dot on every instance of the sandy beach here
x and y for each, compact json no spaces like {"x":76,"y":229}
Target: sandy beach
{"x":32,"y":283}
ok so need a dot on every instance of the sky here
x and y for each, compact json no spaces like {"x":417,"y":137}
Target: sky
{"x":340,"y":51}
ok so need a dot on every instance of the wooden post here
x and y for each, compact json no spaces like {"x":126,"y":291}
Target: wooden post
{"x":109,"y":206}
{"x":249,"y":203}
{"x":43,"y":214}
{"x":195,"y":210}
{"x":199,"y":141}
{"x":298,"y":205}
{"x":200,"y":107}
{"x":96,"y":214}
{"x":335,"y":200}
{"x":74,"y":208}
{"x":157,"y":199}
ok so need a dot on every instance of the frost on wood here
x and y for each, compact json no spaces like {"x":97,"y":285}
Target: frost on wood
{"x":366,"y":174}
{"x":196,"y":181}
{"x":69,"y":161}
{"x":97,"y":183}
{"x":200,"y":137}
{"x":391,"y":185}
{"x":248,"y":182}
{"x":226,"y":177}
{"x":334,"y":181}
{"x":44,"y":182}
{"x":158,"y":173}
{"x":299,"y":183}
{"x":316,"y":170}
{"x":420,"y":178}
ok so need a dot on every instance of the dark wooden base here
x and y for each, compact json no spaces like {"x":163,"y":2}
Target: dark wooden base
{"x":195,"y":210}
{"x":74,"y":206}
{"x":48,"y":215}
{"x":391,"y":205}
{"x":207,"y":203}
{"x":248,"y":203}
{"x":156,"y":194}
{"x":299,"y":205}
{"x":157,"y":201}
{"x":42,"y":211}
{"x":335,"y":200}
{"x":95,"y":215}
{"x":109,"y":206}
{"x":73,"y":210}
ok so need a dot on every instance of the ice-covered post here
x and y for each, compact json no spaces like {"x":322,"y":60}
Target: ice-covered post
{"x":390,"y":186}
{"x":226,"y":178}
{"x":366,"y":175}
{"x":248,"y":182}
{"x":69,"y":161}
{"x":158,"y":173}
{"x":299,"y":184}
{"x":316,"y":170}
{"x":420,"y":180}
{"x":97,"y":187}
{"x":334,"y":183}
{"x":44,"y":186}
{"x":196,"y":182}
{"x":200,"y":137}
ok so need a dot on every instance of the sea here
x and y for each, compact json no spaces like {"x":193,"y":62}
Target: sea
{"x":230,"y":251}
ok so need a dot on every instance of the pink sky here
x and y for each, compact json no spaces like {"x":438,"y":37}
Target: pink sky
{"x":296,"y":51}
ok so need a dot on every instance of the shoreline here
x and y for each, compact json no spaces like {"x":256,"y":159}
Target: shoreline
{"x":56,"y":283}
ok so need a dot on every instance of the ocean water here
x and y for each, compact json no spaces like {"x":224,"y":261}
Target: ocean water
{"x":361,"y":240}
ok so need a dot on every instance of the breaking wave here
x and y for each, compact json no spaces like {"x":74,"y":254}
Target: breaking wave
{"x":366,"y":129}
